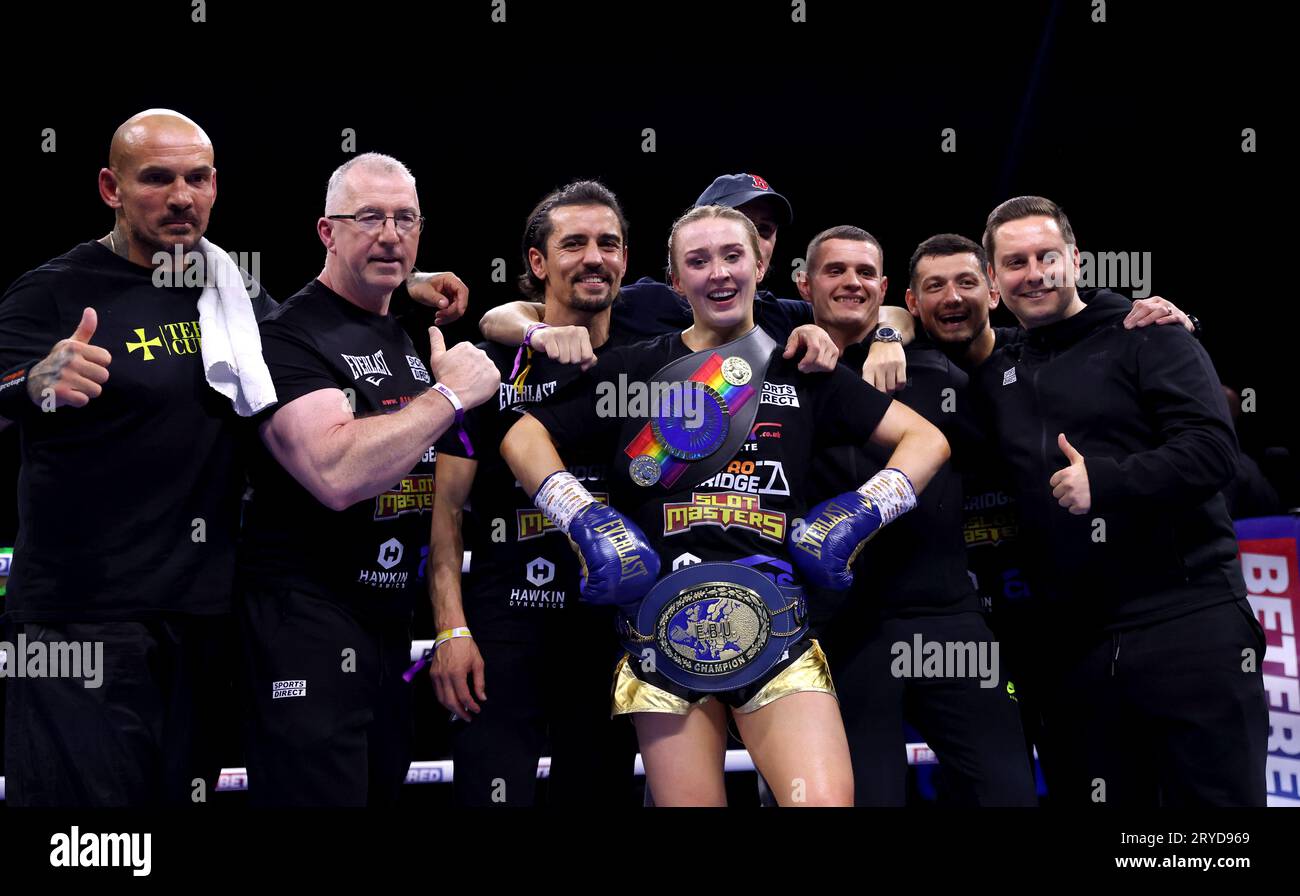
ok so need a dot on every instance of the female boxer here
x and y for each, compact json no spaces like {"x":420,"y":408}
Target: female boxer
{"x":747,"y":513}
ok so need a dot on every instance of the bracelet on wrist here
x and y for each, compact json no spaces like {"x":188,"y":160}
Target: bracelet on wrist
{"x":526,"y":343}
{"x":450,"y":634}
{"x":459,"y":408}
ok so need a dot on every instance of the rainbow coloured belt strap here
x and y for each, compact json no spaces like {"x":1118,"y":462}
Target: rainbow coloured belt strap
{"x":665,"y":448}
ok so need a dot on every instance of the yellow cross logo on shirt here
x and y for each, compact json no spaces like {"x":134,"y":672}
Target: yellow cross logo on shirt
{"x":143,"y":344}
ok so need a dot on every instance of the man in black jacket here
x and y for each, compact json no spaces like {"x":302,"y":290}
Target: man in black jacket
{"x":1118,"y":443}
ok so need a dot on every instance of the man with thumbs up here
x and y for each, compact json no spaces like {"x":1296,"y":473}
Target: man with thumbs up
{"x":1070,"y":484}
{"x":333,"y":551}
{"x":1118,"y":443}
{"x":128,"y":496}
{"x":75,"y":371}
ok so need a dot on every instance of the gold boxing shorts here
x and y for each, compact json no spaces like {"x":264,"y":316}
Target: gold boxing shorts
{"x":804,"y":669}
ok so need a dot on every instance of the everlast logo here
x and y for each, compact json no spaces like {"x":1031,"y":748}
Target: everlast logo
{"x":373,"y":367}
{"x":815,"y":534}
{"x":509,"y":395}
{"x":631,"y":565}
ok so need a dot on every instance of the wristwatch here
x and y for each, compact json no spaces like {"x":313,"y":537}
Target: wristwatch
{"x":1197,"y":329}
{"x":887,"y":334}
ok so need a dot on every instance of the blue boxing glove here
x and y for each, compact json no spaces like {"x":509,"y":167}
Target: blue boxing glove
{"x":837,"y":529}
{"x":618,"y":564}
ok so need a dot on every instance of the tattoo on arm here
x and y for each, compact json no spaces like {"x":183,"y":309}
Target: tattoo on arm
{"x":45,"y":374}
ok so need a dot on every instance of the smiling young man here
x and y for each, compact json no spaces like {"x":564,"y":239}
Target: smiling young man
{"x":1119,"y":443}
{"x":513,"y":626}
{"x":911,"y":580}
{"x":951,"y":295}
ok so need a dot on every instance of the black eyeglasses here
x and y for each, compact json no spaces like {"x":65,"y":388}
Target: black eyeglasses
{"x":371,"y":221}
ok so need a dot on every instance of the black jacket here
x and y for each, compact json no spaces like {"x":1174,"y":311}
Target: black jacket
{"x":1145,"y":410}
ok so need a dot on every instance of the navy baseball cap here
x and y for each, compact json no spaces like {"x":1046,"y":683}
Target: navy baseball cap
{"x":733,"y":190}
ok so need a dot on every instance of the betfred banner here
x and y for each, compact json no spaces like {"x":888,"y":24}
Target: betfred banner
{"x":1268,"y":547}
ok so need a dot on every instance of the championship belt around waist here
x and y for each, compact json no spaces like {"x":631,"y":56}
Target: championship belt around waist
{"x":715,"y":626}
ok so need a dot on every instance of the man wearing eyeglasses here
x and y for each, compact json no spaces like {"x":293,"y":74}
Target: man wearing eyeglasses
{"x":331,"y":561}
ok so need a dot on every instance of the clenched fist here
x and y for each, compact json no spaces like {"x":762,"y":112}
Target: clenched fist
{"x":464,"y":369}
{"x":74,"y":370}
{"x":885,"y":367}
{"x":568,"y":345}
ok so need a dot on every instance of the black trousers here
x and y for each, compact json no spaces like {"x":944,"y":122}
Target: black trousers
{"x":974,"y":731}
{"x":554,"y":691}
{"x":1170,"y":714}
{"x":152,"y":732}
{"x":328,"y":717}
{"x":1018,"y":630}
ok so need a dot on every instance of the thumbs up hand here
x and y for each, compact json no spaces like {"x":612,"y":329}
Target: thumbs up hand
{"x":1070,"y":484}
{"x":74,"y":371}
{"x":464,"y":369}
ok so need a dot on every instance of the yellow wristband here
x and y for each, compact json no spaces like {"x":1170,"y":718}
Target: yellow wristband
{"x":448,"y":634}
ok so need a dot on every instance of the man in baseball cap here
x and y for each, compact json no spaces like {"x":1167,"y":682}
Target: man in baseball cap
{"x":735,"y":190}
{"x":753,"y":197}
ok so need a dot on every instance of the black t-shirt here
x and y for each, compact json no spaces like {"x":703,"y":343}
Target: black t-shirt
{"x":523,"y":574}
{"x":128,"y":507}
{"x":990,"y":520}
{"x":747,"y":511}
{"x":917,"y":564}
{"x":370,"y":557}
{"x":647,"y":309}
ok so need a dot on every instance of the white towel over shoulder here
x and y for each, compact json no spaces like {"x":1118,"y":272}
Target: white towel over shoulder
{"x":230,"y":343}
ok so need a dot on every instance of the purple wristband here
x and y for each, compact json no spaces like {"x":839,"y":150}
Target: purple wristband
{"x":527,"y":343}
{"x":460,"y":416}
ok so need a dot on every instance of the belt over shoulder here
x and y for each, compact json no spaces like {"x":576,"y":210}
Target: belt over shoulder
{"x":713,"y":397}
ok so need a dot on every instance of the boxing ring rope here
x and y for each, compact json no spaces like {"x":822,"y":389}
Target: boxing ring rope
{"x":442,"y":771}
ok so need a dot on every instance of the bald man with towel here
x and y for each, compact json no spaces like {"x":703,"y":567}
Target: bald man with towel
{"x":129,"y":491}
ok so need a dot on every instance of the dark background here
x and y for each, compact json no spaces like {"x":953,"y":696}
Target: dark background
{"x":1134,"y":125}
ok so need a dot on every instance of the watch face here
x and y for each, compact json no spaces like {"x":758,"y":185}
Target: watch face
{"x":887,"y":334}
